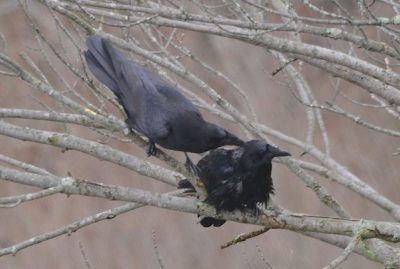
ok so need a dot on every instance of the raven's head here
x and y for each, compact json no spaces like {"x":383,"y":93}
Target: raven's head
{"x":222,"y":137}
{"x":258,"y":152}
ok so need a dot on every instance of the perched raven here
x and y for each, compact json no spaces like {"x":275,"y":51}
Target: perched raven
{"x":238,"y":178}
{"x":154,"y":107}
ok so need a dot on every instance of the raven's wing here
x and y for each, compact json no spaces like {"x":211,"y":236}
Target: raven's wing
{"x":226,"y":195}
{"x":216,"y":167}
{"x":148,"y":113}
{"x":257,"y":186}
{"x":224,"y":179}
{"x":216,"y":171}
{"x":165,"y":106}
{"x":132,"y":86}
{"x":181,"y":103}
{"x":178,"y":108}
{"x":170,"y":93}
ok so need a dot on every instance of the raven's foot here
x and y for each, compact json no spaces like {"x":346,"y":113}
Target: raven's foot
{"x":261,"y":209}
{"x":272,"y":215}
{"x":258,"y":209}
{"x":190,"y":166}
{"x":260,"y":206}
{"x":151,"y":149}
{"x":185,"y":184}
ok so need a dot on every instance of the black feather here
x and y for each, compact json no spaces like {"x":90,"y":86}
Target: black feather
{"x":153,"y":106}
{"x":238,"y":178}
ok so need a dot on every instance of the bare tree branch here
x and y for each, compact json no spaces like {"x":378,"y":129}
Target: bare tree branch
{"x":360,"y":53}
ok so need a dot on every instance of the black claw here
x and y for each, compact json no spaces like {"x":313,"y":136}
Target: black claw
{"x":151,"y":149}
{"x":257,"y":211}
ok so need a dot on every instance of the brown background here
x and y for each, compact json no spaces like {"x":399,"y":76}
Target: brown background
{"x":126,"y":241}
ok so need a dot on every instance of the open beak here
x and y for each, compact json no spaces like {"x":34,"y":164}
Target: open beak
{"x":276,"y":152}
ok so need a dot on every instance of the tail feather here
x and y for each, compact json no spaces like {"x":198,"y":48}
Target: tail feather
{"x":99,"y":72}
{"x":208,"y":221}
{"x":101,"y":63}
{"x":124,"y":77}
{"x":97,"y":47}
{"x":204,"y":221}
{"x":185,"y":184}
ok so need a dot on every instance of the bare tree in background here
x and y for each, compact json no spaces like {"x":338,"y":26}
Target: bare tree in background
{"x":351,"y":43}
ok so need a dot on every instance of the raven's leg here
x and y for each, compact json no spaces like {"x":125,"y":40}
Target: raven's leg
{"x":259,"y":208}
{"x":191,"y":166}
{"x":262,"y":209}
{"x":151,"y":150}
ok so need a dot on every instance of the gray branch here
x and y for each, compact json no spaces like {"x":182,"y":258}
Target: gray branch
{"x":100,"y":151}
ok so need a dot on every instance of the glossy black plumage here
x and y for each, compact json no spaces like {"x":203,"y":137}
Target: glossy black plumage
{"x":153,"y":107}
{"x":238,"y":178}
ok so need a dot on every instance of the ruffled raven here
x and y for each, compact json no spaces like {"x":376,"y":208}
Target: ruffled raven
{"x":238,"y":178}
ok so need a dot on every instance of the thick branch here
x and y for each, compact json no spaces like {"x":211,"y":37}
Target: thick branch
{"x":100,"y":151}
{"x":372,"y":229}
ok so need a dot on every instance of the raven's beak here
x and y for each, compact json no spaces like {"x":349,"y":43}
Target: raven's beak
{"x":233,"y":139}
{"x":276,"y":152}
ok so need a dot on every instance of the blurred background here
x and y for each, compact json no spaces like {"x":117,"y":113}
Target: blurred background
{"x":128,"y":241}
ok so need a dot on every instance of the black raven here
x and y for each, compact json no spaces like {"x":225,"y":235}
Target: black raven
{"x":238,"y":178}
{"x":154,"y":107}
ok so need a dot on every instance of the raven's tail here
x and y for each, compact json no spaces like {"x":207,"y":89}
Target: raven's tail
{"x":209,"y":221}
{"x":185,"y":184}
{"x":204,"y":221}
{"x":101,"y":59}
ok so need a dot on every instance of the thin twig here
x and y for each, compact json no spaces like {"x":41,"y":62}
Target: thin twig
{"x":243,"y":237}
{"x":156,"y":251}
{"x":85,"y":258}
{"x":13,"y":201}
{"x":25,"y":166}
{"x":348,"y":250}
{"x":73,"y":227}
